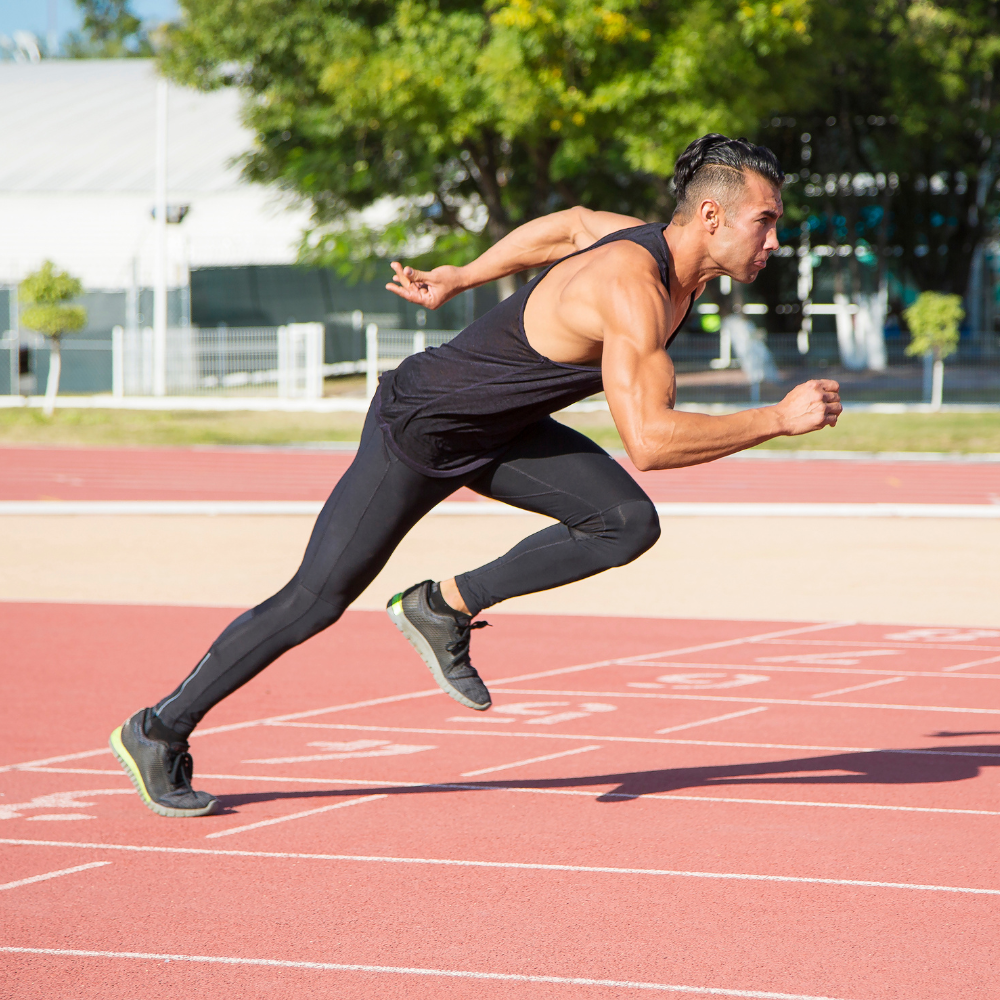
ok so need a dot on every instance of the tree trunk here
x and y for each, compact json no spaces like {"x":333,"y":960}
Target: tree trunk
{"x":937,"y":383}
{"x":52,"y":383}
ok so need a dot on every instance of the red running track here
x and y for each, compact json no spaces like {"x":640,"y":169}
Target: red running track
{"x":683,"y":807}
{"x":247,"y":474}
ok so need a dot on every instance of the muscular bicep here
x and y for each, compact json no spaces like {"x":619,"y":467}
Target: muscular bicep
{"x":638,"y":374}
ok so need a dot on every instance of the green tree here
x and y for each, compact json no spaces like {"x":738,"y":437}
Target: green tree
{"x":903,"y":134}
{"x":476,"y":117}
{"x":110,"y":31}
{"x":46,"y":293}
{"x":933,"y":320}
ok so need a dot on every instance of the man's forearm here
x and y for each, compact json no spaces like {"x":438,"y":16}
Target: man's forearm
{"x":682,"y":439}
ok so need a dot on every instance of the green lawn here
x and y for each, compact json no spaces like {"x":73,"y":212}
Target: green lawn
{"x":949,"y":432}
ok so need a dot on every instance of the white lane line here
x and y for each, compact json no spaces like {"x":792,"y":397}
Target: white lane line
{"x":643,"y":739}
{"x":908,"y":645}
{"x":48,"y":875}
{"x":284,"y":779}
{"x":758,"y":701}
{"x":311,"y":508}
{"x":860,"y":687}
{"x":529,"y":866}
{"x":972,"y":663}
{"x":407,"y":971}
{"x":55,"y":760}
{"x":530,"y":760}
{"x":298,"y":815}
{"x":715,"y":718}
{"x":773,"y":668}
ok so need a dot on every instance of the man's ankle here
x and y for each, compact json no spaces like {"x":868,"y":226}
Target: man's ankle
{"x":452,"y":596}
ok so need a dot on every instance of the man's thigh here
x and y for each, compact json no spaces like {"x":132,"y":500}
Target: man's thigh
{"x":553,"y":469}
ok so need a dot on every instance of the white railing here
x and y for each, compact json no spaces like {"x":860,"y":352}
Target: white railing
{"x":386,"y":349}
{"x":286,"y":361}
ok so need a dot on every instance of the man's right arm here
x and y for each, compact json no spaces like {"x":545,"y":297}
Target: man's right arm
{"x":535,"y":244}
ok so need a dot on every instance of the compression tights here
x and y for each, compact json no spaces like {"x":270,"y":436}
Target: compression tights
{"x":605,"y":520}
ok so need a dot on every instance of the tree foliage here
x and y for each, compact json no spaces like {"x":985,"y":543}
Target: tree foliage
{"x":477,"y":117}
{"x":46,"y":292}
{"x":903,"y":126}
{"x":933,"y":320}
{"x":110,"y":30}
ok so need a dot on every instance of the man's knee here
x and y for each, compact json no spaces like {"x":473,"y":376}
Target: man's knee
{"x":625,"y":531}
{"x":299,"y":612}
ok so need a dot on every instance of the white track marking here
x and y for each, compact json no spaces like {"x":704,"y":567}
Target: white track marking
{"x":861,"y":687}
{"x":835,"y":658}
{"x":759,"y":701}
{"x":58,"y":800}
{"x":311,"y":508}
{"x":908,"y":645}
{"x":528,"y":866}
{"x":715,"y":718}
{"x":347,"y":751}
{"x":284,"y":779}
{"x":56,"y":760}
{"x":646,"y":739}
{"x":702,"y":648}
{"x":404,"y":970}
{"x":48,"y":875}
{"x":973,"y":663}
{"x":860,"y":671}
{"x":530,"y":760}
{"x":298,"y":815}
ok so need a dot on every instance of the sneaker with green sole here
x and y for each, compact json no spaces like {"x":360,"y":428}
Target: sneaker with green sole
{"x":160,"y":771}
{"x":442,"y":640}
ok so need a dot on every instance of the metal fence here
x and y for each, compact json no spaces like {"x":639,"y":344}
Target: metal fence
{"x":285,"y":361}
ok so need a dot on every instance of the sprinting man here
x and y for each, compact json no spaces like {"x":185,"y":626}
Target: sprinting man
{"x":476,"y":413}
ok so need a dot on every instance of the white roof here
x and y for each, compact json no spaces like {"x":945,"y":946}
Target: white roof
{"x":87,"y":126}
{"x":76,"y":176}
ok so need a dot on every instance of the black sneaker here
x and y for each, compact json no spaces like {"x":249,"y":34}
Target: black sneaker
{"x":442,"y":640}
{"x":161,"y":772}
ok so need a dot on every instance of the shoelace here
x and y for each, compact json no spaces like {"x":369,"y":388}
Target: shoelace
{"x":460,"y":647}
{"x":181,"y":765}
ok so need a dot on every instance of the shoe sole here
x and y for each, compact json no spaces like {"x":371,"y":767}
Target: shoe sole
{"x":417,"y":640}
{"x":130,"y":767}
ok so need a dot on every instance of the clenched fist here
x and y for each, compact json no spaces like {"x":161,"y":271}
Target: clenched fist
{"x":810,"y":406}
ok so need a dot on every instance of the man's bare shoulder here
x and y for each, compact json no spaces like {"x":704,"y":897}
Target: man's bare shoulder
{"x":623,"y":262}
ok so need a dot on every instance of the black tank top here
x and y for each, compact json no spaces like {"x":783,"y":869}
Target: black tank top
{"x":452,"y":409}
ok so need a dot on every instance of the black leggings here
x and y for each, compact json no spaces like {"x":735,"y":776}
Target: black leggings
{"x":605,"y":520}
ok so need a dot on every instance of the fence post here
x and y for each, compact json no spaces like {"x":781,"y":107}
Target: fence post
{"x":371,"y":360}
{"x":419,"y":341}
{"x":284,"y":363}
{"x":313,"y":336}
{"x":118,"y":362}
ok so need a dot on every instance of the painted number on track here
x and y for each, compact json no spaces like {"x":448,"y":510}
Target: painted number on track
{"x":701,"y":681}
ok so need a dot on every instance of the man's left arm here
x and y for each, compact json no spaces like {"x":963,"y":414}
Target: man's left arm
{"x":535,"y":244}
{"x":640,"y":387}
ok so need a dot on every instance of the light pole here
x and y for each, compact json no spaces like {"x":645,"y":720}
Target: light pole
{"x":160,"y":246}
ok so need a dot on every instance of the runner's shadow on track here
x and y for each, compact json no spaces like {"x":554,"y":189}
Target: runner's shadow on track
{"x":879,"y":767}
{"x":924,"y":765}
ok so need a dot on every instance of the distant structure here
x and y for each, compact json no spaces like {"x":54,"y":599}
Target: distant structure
{"x":77,"y":177}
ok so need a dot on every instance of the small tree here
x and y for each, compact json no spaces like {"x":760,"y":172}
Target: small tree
{"x":933,"y":320}
{"x":46,"y":293}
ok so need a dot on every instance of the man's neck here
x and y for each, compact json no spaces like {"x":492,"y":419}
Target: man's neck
{"x":691,"y":266}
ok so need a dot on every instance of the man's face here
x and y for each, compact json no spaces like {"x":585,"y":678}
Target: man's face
{"x":748,"y":235}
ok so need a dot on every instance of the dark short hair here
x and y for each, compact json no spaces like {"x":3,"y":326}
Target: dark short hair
{"x":732,"y":155}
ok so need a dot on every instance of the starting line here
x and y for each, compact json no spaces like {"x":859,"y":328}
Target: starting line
{"x":311,"y":508}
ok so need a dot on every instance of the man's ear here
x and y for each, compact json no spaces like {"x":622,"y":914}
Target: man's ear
{"x":711,"y":214}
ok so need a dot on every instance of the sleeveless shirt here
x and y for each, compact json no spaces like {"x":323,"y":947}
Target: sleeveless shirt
{"x":452,"y":409}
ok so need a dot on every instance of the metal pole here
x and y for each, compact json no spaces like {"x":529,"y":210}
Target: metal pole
{"x":160,"y":247}
{"x":805,"y":288}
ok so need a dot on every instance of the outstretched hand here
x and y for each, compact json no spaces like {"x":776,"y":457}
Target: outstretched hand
{"x":810,"y":406}
{"x":429,"y":289}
